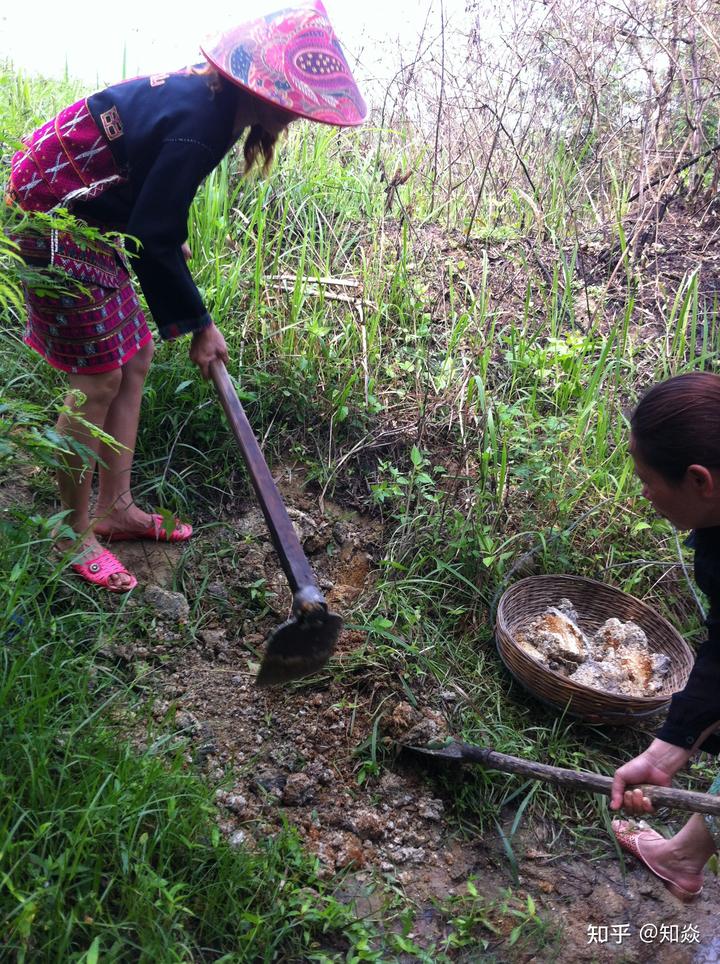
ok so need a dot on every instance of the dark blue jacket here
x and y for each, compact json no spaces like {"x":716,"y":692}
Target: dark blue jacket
{"x":166,"y":132}
{"x":698,"y":705}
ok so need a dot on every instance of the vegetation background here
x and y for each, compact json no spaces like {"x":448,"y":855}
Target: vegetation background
{"x":443,"y":316}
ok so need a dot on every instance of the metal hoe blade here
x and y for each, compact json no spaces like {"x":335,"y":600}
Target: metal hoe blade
{"x":302,"y":645}
{"x":299,"y":648}
{"x":449,"y":751}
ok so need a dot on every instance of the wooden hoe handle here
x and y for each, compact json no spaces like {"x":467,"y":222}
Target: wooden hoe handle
{"x":591,"y":782}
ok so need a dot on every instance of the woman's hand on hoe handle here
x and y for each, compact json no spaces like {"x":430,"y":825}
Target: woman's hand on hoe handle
{"x":208,"y":345}
{"x":656,"y":766}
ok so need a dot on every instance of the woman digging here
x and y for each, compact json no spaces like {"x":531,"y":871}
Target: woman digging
{"x":675,"y":444}
{"x":130,"y":159}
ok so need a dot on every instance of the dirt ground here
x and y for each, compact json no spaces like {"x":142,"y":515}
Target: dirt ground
{"x":295,"y":753}
{"x":299,"y":753}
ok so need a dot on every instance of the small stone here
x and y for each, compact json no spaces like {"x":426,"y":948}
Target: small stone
{"x":431,"y":809}
{"x":365,"y":823}
{"x":238,"y":839}
{"x":170,"y":606}
{"x":215,"y":639}
{"x":270,"y":781}
{"x":235,"y":802}
{"x":187,"y":721}
{"x":299,"y":790}
{"x":216,"y":589}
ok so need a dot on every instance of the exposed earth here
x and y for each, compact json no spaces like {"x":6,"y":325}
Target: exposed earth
{"x":302,"y":754}
{"x":318,"y":754}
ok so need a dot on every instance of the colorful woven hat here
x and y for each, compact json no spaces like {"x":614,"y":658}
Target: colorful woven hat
{"x":291,"y":58}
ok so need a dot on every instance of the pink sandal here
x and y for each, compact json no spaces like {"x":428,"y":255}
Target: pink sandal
{"x":628,"y":834}
{"x":98,"y":571}
{"x":155,"y":531}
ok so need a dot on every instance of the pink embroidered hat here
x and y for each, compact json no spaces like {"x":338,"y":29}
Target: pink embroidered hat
{"x":293,"y":59}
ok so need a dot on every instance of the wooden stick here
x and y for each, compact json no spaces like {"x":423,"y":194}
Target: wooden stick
{"x":688,"y":800}
{"x":676,"y":170}
{"x":315,"y":292}
{"x":366,"y":369}
{"x":348,"y":282}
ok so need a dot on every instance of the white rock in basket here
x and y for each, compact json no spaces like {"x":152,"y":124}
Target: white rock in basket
{"x":616,"y":659}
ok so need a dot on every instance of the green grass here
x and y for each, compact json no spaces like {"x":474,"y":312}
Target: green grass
{"x":110,"y":852}
{"x":486,"y":432}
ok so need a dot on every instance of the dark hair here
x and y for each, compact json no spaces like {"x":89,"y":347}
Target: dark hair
{"x":212,"y":77}
{"x":677,"y":424}
{"x":259,"y":144}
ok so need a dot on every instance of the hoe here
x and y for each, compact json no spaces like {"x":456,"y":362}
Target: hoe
{"x":302,"y":645}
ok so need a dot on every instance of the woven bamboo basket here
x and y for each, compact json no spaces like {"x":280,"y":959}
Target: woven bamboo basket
{"x":594,"y":602}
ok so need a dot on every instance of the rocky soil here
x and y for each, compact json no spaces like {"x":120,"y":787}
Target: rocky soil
{"x":301,"y":753}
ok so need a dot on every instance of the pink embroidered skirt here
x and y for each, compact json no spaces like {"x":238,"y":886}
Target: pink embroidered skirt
{"x":83,"y":316}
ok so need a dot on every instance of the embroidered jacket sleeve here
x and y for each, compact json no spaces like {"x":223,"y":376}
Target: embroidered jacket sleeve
{"x":159,"y":221}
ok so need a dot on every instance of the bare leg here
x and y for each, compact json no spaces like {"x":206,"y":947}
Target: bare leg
{"x":75,"y":479}
{"x":116,"y":508}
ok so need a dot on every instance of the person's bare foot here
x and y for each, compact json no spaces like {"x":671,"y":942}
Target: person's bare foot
{"x":130,"y":519}
{"x":130,"y":522}
{"x":657,"y":853}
